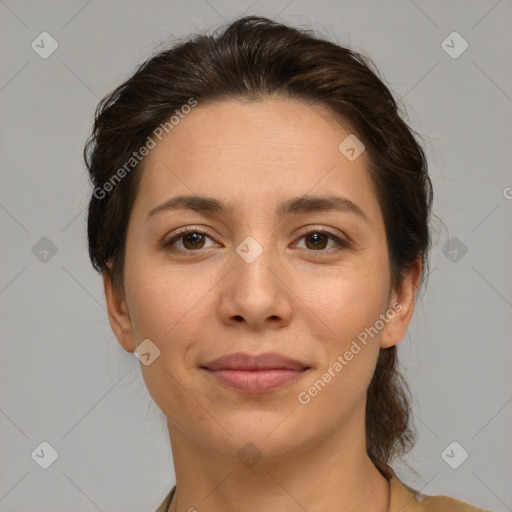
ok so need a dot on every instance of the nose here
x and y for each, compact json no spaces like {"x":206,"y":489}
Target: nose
{"x":255,"y":291}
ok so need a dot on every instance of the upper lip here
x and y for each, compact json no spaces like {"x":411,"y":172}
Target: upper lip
{"x":267,"y":361}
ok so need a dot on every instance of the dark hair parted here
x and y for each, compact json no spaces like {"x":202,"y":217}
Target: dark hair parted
{"x":254,"y":58}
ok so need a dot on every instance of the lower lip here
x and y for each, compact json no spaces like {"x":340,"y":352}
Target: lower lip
{"x":256,"y":381}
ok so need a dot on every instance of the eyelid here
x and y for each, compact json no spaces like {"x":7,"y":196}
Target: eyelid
{"x":340,"y":236}
{"x":186,"y":230}
{"x":342,"y":240}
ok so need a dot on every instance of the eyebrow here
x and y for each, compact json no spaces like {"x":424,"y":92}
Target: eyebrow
{"x":297,"y":205}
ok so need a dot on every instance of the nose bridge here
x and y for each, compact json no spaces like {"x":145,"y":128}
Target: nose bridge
{"x":254,"y":291}
{"x":257,"y":245}
{"x":254,"y":257}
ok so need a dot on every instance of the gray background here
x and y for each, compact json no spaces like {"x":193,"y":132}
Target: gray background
{"x":65,"y":380}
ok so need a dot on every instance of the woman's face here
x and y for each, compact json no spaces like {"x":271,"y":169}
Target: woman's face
{"x":262,"y":272}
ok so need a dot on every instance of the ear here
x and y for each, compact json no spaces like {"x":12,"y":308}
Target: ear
{"x":118,"y":314}
{"x":402,"y":304}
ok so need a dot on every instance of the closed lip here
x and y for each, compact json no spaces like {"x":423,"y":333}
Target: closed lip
{"x":247,"y":362}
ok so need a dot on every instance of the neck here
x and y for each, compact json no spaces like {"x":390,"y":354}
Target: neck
{"x":330,"y":474}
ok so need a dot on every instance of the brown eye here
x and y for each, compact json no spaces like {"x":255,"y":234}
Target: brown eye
{"x":318,"y":240}
{"x":191,"y":240}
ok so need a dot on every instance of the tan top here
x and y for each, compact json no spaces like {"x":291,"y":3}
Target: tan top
{"x":402,"y":499}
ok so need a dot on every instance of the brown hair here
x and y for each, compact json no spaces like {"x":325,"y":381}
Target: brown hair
{"x":253,"y":58}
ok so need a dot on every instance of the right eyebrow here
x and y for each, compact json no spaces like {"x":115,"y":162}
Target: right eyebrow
{"x":197,"y":203}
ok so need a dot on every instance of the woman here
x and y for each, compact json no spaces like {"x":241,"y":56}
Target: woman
{"x":260,"y":217}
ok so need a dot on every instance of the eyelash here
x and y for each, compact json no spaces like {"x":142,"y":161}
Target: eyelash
{"x":168,"y":244}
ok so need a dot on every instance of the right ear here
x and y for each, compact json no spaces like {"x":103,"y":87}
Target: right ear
{"x":118,"y":314}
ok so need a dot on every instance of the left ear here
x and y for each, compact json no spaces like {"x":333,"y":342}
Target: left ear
{"x":402,"y":304}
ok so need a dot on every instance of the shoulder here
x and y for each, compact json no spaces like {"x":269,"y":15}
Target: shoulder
{"x":402,"y":499}
{"x":405,"y":499}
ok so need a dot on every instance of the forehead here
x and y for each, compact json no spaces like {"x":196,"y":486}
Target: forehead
{"x":253,"y":149}
{"x":282,"y":128}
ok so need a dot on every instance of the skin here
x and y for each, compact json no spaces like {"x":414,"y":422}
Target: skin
{"x":308,"y":304}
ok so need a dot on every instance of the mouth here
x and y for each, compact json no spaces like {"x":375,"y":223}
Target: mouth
{"x":255,"y":374}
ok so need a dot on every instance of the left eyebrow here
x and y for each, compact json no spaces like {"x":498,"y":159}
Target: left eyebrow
{"x":309,"y":204}
{"x":297,"y":205}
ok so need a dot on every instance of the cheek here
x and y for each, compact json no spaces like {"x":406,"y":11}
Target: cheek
{"x":160,"y":299}
{"x":162,"y":308}
{"x":347,"y":300}
{"x":345,"y":317}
